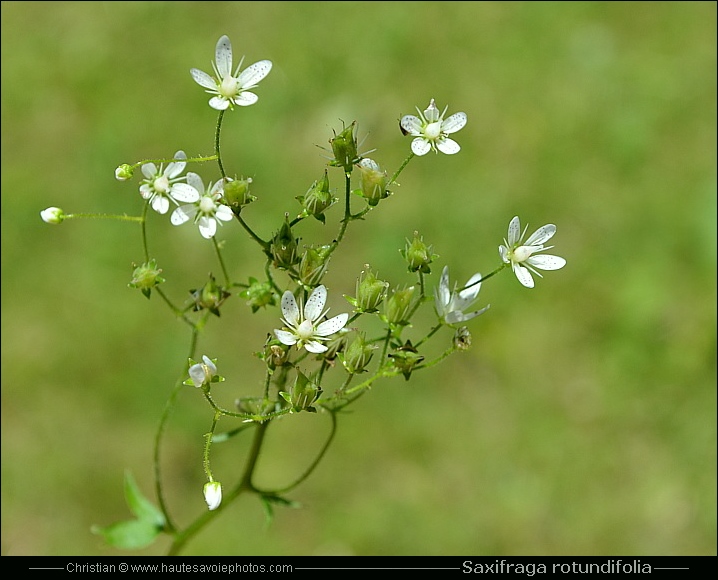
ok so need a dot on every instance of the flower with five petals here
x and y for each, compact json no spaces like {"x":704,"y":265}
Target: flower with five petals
{"x":207,"y":209}
{"x":161,"y":186}
{"x":231,"y":88}
{"x":522,"y":255}
{"x":305,"y":330}
{"x":430,"y":130}
{"x":450,"y":305}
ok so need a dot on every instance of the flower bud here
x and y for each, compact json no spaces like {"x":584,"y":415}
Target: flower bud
{"x":418,"y":255}
{"x":303,"y":393}
{"x":283,"y":248}
{"x":398,"y":306}
{"x":318,"y":198}
{"x":313,"y":265}
{"x":255,"y":406}
{"x":370,"y":291}
{"x":344,"y":147}
{"x":124,"y":172}
{"x":52,"y":215}
{"x":236,"y":192}
{"x":259,"y":294}
{"x":406,"y":358}
{"x":373,"y":181}
{"x":213,"y":494}
{"x":358,"y":355}
{"x":211,"y":296}
{"x":146,"y":277}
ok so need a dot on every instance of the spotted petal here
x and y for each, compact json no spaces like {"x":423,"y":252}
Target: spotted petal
{"x":420,"y":146}
{"x":223,"y":57}
{"x":251,"y":76}
{"x":541,"y":235}
{"x":448,"y":146}
{"x":183,"y":214}
{"x":514,"y":231}
{"x":245,"y":98}
{"x":454,"y":123}
{"x":546,"y":262}
{"x":207,"y":226}
{"x":176,"y":167}
{"x":149,"y":170}
{"x":290,"y":310}
{"x":332,"y":325}
{"x":203,"y":79}
{"x":411,"y":125}
{"x":315,"y":304}
{"x":285,"y":337}
{"x":523,"y":275}
{"x":160,"y":204}
{"x":315,"y":347}
{"x":219,"y":103}
{"x":184,"y":192}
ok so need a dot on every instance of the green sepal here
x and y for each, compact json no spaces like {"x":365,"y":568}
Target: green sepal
{"x":268,"y":502}
{"x":129,"y":534}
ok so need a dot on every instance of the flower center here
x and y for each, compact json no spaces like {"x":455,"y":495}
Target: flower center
{"x":522,"y":253}
{"x":206,"y":204}
{"x":229,"y":87}
{"x":161,"y":184}
{"x":305,"y":330}
{"x":432,"y":131}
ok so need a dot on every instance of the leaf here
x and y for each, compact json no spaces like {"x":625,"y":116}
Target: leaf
{"x":130,"y":534}
{"x":268,"y":502}
{"x":140,"y":506}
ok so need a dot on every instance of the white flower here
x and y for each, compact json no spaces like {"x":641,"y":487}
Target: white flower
{"x":521,"y":254}
{"x":202,"y":373}
{"x":304,"y":329}
{"x":206,"y":211}
{"x":450,"y":305}
{"x":161,"y":185}
{"x":213,"y":494}
{"x":52,"y":215}
{"x":430,"y":130}
{"x":231,"y":88}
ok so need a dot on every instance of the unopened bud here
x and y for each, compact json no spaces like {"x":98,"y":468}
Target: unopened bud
{"x":146,"y":277}
{"x":211,"y":296}
{"x":418,"y":255}
{"x":52,"y":215}
{"x":358,"y":355}
{"x":370,"y":291}
{"x":124,"y":172}
{"x":318,"y":198}
{"x":398,"y":306}
{"x":284,"y":247}
{"x":344,"y":147}
{"x":213,"y":494}
{"x":236,"y":192}
{"x":406,"y":358}
{"x":373,"y":181}
{"x":313,"y":265}
{"x":303,"y":394}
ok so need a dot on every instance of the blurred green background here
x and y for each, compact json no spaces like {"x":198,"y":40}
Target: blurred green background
{"x":583,"y":419}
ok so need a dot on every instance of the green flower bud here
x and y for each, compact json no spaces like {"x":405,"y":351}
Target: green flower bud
{"x":318,"y":198}
{"x":303,"y":394}
{"x":255,"y":406}
{"x":358,"y":355}
{"x":462,"y":338}
{"x":146,"y":277}
{"x":373,"y":181}
{"x":211,"y":296}
{"x":344,"y":147}
{"x":370,"y":291}
{"x":236,"y":192}
{"x":259,"y":294}
{"x":313,"y":265}
{"x":418,"y":255}
{"x":398,"y":306}
{"x":283,"y":248}
{"x":52,"y":215}
{"x":124,"y":172}
{"x":406,"y":358}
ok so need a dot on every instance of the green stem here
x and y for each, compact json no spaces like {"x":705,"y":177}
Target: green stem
{"x":105,"y":216}
{"x":216,"y":144}
{"x":145,"y":245}
{"x":227,"y":281}
{"x":501,"y":267}
{"x":255,"y":237}
{"x":428,"y":336}
{"x":347,"y":214}
{"x":401,"y":168}
{"x":208,"y":443}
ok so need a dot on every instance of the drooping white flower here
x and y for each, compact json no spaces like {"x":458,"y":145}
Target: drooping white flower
{"x":213,"y":494}
{"x":430,"y":130}
{"x":207,"y":209}
{"x":202,"y":373}
{"x":522,"y":255}
{"x":450,"y":305}
{"x":52,"y":215}
{"x":305,"y":330}
{"x":231,"y":88}
{"x":161,"y":185}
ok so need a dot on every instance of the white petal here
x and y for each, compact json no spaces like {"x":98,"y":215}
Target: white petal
{"x":471,"y":315}
{"x":183,"y":214}
{"x":290,"y":310}
{"x":197,"y":374}
{"x":285,"y":337}
{"x":448,"y":146}
{"x":443,"y":293}
{"x":514,"y":230}
{"x":146,"y":191}
{"x":203,"y":79}
{"x":250,"y":76}
{"x":184,"y":192}
{"x":223,"y":56}
{"x":454,"y":123}
{"x":523,"y":275}
{"x":332,"y":325}
{"x":149,"y":170}
{"x":470,"y":291}
{"x":245,"y":98}
{"x":176,"y":167}
{"x":160,"y":204}
{"x":315,"y":304}
{"x":315,"y":347}
{"x":504,"y":253}
{"x":420,"y":146}
{"x":224,"y":213}
{"x":210,"y":364}
{"x":431,"y":113}
{"x":541,"y":235}
{"x":219,"y":103}
{"x":546,"y":262}
{"x":195,"y":181}
{"x":207,"y":227}
{"x":411,"y":125}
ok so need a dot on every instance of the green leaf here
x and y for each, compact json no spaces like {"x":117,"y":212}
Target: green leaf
{"x":140,"y":506}
{"x":130,"y":534}
{"x":268,"y":502}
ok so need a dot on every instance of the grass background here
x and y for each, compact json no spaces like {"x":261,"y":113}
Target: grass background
{"x":583,"y":419}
